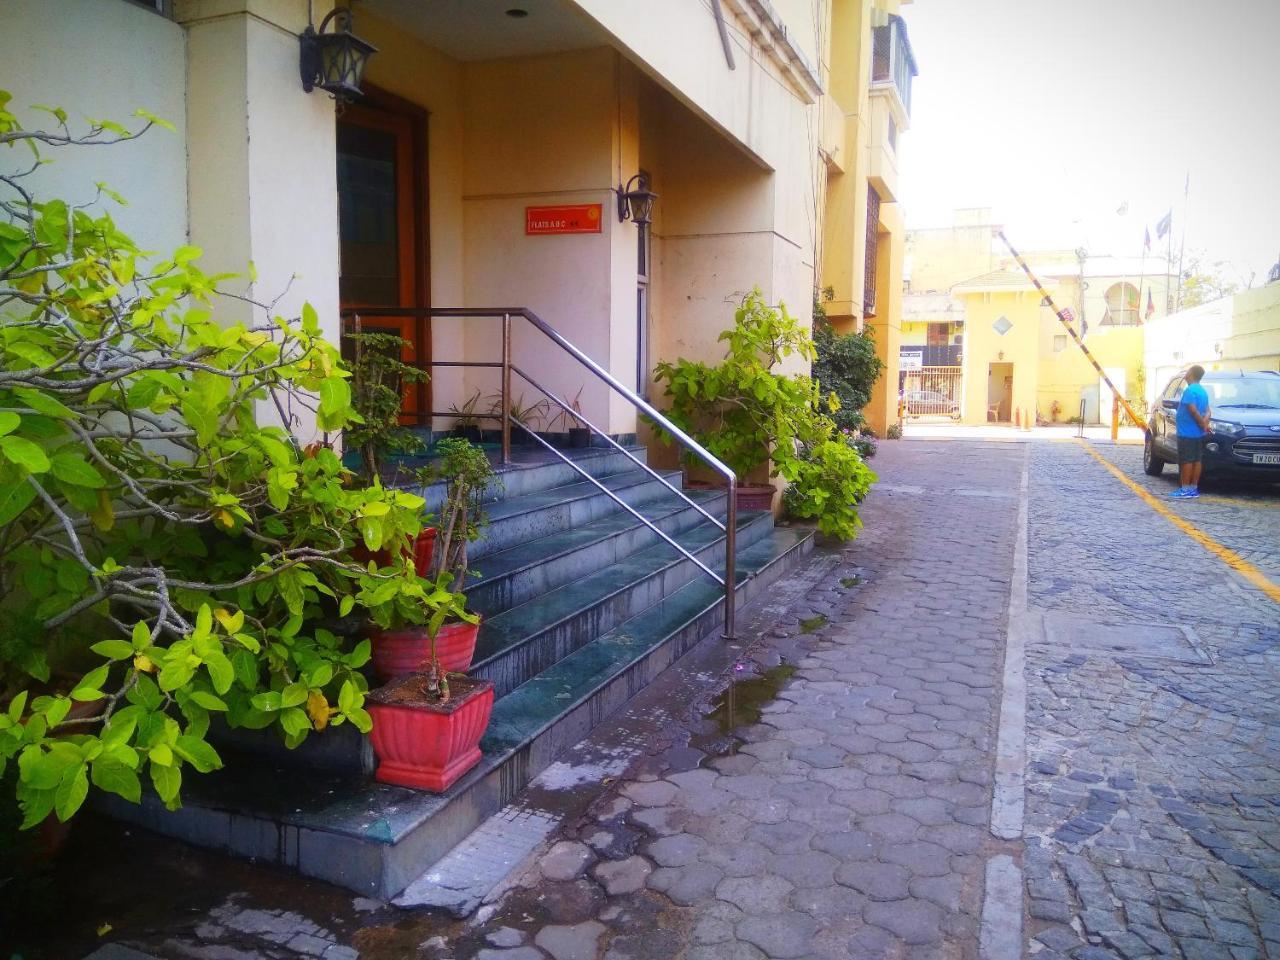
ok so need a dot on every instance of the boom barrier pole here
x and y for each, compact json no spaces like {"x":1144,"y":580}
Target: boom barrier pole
{"x":1065,"y":319}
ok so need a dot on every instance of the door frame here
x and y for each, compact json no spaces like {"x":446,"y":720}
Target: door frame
{"x":413,"y":205}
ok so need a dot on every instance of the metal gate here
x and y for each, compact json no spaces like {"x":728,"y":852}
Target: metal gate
{"x":932,"y":392}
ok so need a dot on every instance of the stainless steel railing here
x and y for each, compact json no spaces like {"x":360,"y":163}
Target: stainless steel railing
{"x":729,"y":581}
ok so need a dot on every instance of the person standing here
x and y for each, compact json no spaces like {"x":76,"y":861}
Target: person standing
{"x":1193,"y":427}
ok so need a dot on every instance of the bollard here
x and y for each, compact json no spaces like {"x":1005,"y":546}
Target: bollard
{"x":1115,"y":417}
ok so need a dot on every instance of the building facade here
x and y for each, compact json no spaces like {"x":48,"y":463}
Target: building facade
{"x":484,"y":164}
{"x":983,"y":347}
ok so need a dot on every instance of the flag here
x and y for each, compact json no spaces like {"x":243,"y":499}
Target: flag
{"x":1164,"y":226}
{"x":1151,"y":307}
{"x":1146,"y":240}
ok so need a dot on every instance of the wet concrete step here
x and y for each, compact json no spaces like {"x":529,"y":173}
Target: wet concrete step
{"x":519,"y":643}
{"x":531,"y":516}
{"x":508,"y":578}
{"x":376,"y":839}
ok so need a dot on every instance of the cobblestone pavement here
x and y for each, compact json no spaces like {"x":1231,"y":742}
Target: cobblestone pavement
{"x":1153,"y":790}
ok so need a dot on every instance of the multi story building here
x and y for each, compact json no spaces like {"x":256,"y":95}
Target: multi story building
{"x":980,"y":345}
{"x":485,"y":160}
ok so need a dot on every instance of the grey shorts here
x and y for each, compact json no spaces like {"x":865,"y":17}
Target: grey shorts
{"x":1190,"y":449}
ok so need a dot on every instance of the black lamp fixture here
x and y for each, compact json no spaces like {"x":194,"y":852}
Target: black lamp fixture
{"x":635,"y":201}
{"x":334,"y":60}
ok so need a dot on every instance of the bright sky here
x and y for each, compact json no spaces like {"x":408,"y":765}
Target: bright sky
{"x":1056,"y":112}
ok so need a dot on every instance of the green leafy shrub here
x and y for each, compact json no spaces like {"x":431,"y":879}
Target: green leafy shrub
{"x":750,"y":416}
{"x":741,"y":410}
{"x":846,"y":365}
{"x":831,"y":483}
{"x":165,"y":558}
{"x":378,"y":378}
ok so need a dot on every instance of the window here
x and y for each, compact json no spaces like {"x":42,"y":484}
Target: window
{"x":161,"y":7}
{"x":1121,"y":306}
{"x":892,"y":60}
{"x":1059,"y":342}
{"x":869,"y":263}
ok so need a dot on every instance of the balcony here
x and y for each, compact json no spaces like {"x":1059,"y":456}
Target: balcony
{"x":893,"y":65}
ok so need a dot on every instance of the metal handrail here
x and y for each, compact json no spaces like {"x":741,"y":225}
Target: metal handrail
{"x":729,"y":580}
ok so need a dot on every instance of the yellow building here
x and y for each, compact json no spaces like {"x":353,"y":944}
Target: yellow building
{"x":1007,"y":357}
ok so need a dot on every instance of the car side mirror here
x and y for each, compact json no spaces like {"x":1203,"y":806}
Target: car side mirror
{"x":1169,"y":404}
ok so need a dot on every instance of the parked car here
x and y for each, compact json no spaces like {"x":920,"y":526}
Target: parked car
{"x":930,"y":403}
{"x":1244,"y":413}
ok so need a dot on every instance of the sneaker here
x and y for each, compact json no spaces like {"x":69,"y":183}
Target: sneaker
{"x":1193,"y":492}
{"x":1183,"y":493}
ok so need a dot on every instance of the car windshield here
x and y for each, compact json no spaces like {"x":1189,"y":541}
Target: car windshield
{"x":1245,"y":392}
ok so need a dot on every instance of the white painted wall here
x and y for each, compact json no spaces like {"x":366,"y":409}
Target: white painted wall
{"x":84,"y":56}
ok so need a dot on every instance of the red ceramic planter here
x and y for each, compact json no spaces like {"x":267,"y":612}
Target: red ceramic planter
{"x":397,"y":653}
{"x":753,"y":496}
{"x":423,"y":546}
{"x":429,"y":746}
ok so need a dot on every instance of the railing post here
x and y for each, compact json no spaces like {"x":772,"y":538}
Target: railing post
{"x":730,"y":558}
{"x":506,"y":389}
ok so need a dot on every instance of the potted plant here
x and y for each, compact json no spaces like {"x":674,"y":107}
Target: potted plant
{"x":466,"y":420}
{"x":525,"y":416}
{"x":378,"y":377}
{"x":571,"y":424}
{"x":753,"y":418}
{"x":402,"y":642}
{"x":426,"y":726}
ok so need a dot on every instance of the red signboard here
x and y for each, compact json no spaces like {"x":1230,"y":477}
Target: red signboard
{"x":568,"y":218}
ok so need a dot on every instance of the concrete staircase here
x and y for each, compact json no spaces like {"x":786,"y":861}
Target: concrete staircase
{"x":583,"y":606}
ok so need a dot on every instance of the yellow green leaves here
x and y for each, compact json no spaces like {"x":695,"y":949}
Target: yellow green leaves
{"x":23,"y":453}
{"x":335,"y":403}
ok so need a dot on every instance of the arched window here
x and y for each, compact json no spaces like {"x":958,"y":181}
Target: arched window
{"x":1122,"y":306}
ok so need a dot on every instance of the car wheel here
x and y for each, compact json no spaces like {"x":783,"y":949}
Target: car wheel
{"x":1152,"y":465}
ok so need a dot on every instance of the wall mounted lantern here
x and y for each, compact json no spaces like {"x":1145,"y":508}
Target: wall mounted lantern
{"x":334,"y":60}
{"x":635,"y":201}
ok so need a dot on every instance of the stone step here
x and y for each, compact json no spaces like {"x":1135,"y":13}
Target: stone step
{"x":517,"y":644}
{"x":376,"y":839}
{"x":510,"y":577}
{"x":539,"y":513}
{"x":533,"y":469}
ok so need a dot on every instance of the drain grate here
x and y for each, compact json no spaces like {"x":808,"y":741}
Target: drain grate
{"x":1162,"y":641}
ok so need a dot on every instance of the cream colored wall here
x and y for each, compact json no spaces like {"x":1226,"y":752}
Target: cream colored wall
{"x":540,"y":130}
{"x":677,"y":44}
{"x":983,"y":346}
{"x":76,"y":54}
{"x":1234,"y":333}
{"x":940,"y":258}
{"x":261,"y":151}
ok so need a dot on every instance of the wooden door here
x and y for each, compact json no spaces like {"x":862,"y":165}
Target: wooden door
{"x":382,"y":229}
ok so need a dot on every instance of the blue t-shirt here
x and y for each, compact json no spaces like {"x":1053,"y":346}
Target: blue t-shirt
{"x":1194,"y":396}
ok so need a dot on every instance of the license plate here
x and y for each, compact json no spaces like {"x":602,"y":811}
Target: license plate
{"x":1266,"y":458}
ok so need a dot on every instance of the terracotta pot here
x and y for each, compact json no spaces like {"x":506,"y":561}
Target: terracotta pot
{"x":428,"y":746}
{"x":423,"y":546}
{"x":752,"y":496}
{"x":397,"y":653}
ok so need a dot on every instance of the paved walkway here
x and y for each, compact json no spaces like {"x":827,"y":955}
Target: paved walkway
{"x":851,"y":820}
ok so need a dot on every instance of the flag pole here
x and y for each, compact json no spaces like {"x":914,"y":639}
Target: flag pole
{"x":1168,"y":269}
{"x":1182,"y":246}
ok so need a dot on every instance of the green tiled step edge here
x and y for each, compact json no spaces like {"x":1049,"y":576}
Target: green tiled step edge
{"x":518,"y":478}
{"x":520,"y":519}
{"x":529,"y":569}
{"x":376,"y":839}
{"x":517,"y":644}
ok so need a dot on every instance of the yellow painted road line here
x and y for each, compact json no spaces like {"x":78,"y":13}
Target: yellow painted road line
{"x":1228,"y":556}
